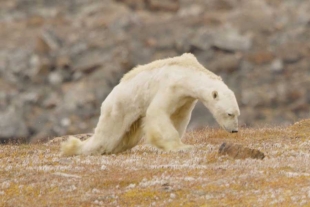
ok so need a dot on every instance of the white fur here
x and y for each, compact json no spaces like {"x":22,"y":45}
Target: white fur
{"x":157,"y":100}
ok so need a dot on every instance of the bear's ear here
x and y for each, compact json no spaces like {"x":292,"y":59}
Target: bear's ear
{"x":215,"y":95}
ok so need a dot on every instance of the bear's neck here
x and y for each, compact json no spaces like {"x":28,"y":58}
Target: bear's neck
{"x":201,"y":86}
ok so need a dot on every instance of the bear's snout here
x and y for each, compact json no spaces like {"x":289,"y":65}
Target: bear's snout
{"x":234,"y":131}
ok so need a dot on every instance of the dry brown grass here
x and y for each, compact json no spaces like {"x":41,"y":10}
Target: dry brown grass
{"x":35,"y":175}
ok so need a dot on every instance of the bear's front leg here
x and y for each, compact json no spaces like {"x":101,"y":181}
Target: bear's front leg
{"x":161,"y":132}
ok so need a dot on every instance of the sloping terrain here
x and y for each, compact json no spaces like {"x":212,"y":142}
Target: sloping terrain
{"x":36,"y":175}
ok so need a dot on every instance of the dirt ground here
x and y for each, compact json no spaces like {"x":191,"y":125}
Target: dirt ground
{"x":36,"y":174}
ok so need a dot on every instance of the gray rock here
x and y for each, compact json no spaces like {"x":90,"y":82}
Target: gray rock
{"x":40,"y":67}
{"x":277,"y":65}
{"x":12,"y":125}
{"x":202,"y":39}
{"x":60,"y":59}
{"x":192,"y":10}
{"x":168,"y":5}
{"x":55,"y":78}
{"x":230,"y":39}
{"x":226,"y":63}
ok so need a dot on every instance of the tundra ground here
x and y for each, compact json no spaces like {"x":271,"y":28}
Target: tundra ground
{"x":36,"y":174}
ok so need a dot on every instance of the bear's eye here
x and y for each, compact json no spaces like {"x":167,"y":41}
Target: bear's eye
{"x":231,"y":115}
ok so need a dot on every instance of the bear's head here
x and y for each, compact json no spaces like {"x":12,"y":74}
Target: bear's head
{"x":224,"y":107}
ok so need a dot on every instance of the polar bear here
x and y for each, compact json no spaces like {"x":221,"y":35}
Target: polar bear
{"x":156,"y":100}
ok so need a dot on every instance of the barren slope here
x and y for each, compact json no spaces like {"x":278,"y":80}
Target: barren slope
{"x":35,"y":175}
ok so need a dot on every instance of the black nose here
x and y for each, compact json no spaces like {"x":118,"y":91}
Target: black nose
{"x":234,"y":131}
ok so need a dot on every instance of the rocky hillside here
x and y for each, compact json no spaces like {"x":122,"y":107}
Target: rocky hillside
{"x":60,"y":59}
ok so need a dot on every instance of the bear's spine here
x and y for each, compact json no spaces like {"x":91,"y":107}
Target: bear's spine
{"x":71,"y":146}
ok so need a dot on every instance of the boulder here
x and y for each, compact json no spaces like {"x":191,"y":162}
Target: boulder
{"x":12,"y":125}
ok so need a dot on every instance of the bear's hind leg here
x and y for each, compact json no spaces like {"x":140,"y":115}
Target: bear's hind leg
{"x":131,"y":138}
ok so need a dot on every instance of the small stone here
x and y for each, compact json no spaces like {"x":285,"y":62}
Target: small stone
{"x":134,"y":4}
{"x":63,"y":61}
{"x":41,"y":47}
{"x":192,"y":10}
{"x":237,"y":151}
{"x":65,"y":122}
{"x":168,"y":5}
{"x":95,"y":190}
{"x":228,"y":63}
{"x":291,"y":52}
{"x":261,"y":57}
{"x":132,"y":185}
{"x":12,"y":124}
{"x":50,"y":39}
{"x":199,"y":192}
{"x":276,"y":65}
{"x":35,"y":21}
{"x":96,"y":202}
{"x":55,"y":78}
{"x":51,"y":101}
{"x":231,"y":40}
{"x":40,"y":68}
{"x":172,"y":196}
{"x":103,"y":167}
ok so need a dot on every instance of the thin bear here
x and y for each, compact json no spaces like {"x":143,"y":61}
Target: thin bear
{"x":156,"y":101}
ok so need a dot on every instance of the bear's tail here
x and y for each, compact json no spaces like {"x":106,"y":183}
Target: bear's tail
{"x":71,"y":147}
